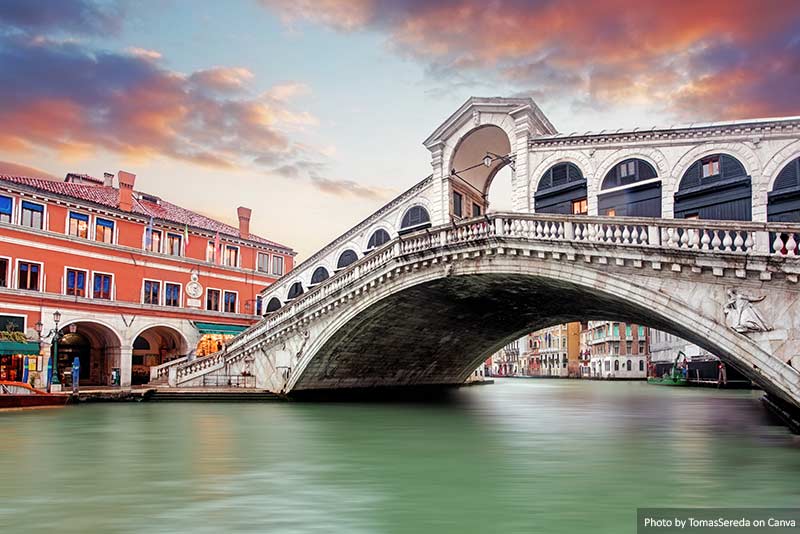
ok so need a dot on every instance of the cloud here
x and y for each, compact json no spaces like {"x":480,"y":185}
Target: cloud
{"x":344,"y":188}
{"x":143,"y":53}
{"x":18,"y":169}
{"x":72,"y":16}
{"x":286,"y":91}
{"x":680,"y":57}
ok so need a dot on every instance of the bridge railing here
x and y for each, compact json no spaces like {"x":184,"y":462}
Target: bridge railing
{"x":708,"y":236}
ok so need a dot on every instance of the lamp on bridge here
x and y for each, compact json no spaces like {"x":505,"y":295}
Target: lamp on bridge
{"x":491,"y":157}
{"x":53,"y":379}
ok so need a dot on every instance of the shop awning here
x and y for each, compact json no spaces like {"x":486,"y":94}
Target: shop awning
{"x":214,"y":328}
{"x":15,"y":347}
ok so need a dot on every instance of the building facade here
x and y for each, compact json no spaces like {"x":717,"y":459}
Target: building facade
{"x":136,"y":281}
{"x":616,"y":350}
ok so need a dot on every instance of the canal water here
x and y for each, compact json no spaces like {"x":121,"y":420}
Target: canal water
{"x":516,"y":456}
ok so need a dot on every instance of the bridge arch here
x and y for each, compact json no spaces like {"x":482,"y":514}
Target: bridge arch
{"x":631,"y":187}
{"x":96,"y":344}
{"x":320,"y":274}
{"x":273,"y":305}
{"x":414,"y":217}
{"x":295,"y":290}
{"x":716,"y":185}
{"x":783,"y":202}
{"x":538,"y":172}
{"x":377,"y":237}
{"x":346,"y":257}
{"x":482,"y":304}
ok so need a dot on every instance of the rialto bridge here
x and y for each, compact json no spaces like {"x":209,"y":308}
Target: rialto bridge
{"x":692,"y":230}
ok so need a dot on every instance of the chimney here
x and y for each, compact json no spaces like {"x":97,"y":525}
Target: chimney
{"x":126,"y":181}
{"x":108,"y":179}
{"x":244,"y":221}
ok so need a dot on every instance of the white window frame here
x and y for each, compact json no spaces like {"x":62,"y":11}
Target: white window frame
{"x":211,"y":245}
{"x":89,"y":281}
{"x":89,"y":224}
{"x":41,"y":274}
{"x":24,"y":319}
{"x":160,"y":292}
{"x":269,"y":261}
{"x":224,"y":258}
{"x":9,"y":274}
{"x":113,"y":286}
{"x":114,"y":232}
{"x":222,"y":302}
{"x":45,"y":224}
{"x":283,"y":265}
{"x":180,"y":294}
{"x":219,"y":301}
{"x":14,"y":200}
{"x":160,"y":242}
{"x":181,"y":252}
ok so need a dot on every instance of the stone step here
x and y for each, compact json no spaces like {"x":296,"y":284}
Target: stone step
{"x":219,"y":395}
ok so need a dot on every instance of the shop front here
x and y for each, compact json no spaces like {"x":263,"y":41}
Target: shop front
{"x":17,"y":358}
{"x":214,"y":336}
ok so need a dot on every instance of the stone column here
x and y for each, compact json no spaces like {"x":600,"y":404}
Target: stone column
{"x":125,"y":366}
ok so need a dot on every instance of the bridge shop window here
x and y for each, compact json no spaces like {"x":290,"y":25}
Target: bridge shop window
{"x":630,"y":189}
{"x":378,"y":238}
{"x":783,"y":203}
{"x":715,"y":187}
{"x":347,"y":258}
{"x":78,"y":224}
{"x":273,"y":305}
{"x":295,"y":291}
{"x":415,"y":218}
{"x":458,"y":203}
{"x":559,"y":188}
{"x":320,"y":275}
{"x":6,"y":207}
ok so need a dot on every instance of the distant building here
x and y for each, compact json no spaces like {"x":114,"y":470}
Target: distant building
{"x":137,"y":281}
{"x":616,"y":350}
{"x":554,"y":351}
{"x":664,"y":348}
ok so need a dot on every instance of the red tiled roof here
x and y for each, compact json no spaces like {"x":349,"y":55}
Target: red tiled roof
{"x":109,"y":197}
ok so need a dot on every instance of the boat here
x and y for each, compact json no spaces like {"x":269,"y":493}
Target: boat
{"x":677,"y":375}
{"x":21,"y":395}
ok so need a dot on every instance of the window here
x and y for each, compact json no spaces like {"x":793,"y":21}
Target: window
{"x":3,"y":272}
{"x":641,"y":365}
{"x":295,"y":291}
{"x":153,"y":238}
{"x":172,"y":294}
{"x":28,"y":275}
{"x":6,"y":205}
{"x":616,"y":365}
{"x":76,"y":282}
{"x":230,"y":302}
{"x":78,"y":225}
{"x":152,"y":292}
{"x":273,"y":305}
{"x":103,"y":230}
{"x":379,"y":238}
{"x":263,"y":263}
{"x":211,"y":252}
{"x":347,"y":258}
{"x":611,"y":213}
{"x":710,"y":166}
{"x":627,"y":168}
{"x":476,"y":210}
{"x":102,"y":286}
{"x":231,"y":256}
{"x":628,"y":365}
{"x":174,"y":242}
{"x":580,"y":207}
{"x":277,"y":265}
{"x":259,"y":305}
{"x":415,"y":216}
{"x":458,"y":200}
{"x":32,"y":215}
{"x":608,"y":365}
{"x":320,"y":275}
{"x":212,"y":300}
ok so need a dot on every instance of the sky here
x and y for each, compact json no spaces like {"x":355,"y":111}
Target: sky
{"x":313,"y":113}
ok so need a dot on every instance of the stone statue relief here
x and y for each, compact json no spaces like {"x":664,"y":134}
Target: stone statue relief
{"x":741,"y":315}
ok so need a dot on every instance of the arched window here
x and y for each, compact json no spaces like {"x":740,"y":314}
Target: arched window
{"x":273,"y":305}
{"x":628,"y":365}
{"x":295,"y":291}
{"x":379,"y":238}
{"x":616,"y":365}
{"x":714,"y":187}
{"x":562,"y":189}
{"x":632,"y":200}
{"x":783,"y":203}
{"x":641,"y":365}
{"x":415,"y":217}
{"x":141,"y":343}
{"x":319,"y":276}
{"x":347,"y":257}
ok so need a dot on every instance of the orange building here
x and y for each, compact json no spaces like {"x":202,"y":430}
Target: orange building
{"x":137,"y":281}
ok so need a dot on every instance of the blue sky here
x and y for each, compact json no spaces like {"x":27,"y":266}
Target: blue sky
{"x":313,"y":112}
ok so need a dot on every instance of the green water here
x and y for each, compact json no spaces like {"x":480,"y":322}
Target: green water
{"x":517,"y":456}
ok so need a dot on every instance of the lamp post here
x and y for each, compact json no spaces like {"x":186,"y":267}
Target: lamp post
{"x":52,"y":379}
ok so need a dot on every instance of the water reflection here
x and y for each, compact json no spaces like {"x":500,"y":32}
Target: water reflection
{"x":517,"y":456}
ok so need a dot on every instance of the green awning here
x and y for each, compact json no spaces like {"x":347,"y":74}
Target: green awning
{"x":214,"y":328}
{"x":15,"y":347}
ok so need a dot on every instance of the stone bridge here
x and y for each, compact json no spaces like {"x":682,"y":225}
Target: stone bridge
{"x":427,"y":287}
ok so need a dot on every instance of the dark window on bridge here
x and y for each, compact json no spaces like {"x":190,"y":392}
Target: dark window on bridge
{"x":273,"y":305}
{"x":784,"y":199}
{"x":319,"y":276}
{"x":295,"y":291}
{"x":415,"y":218}
{"x":634,"y":200}
{"x":558,"y":188}
{"x":379,"y":238}
{"x":348,"y":257}
{"x":476,"y":210}
{"x":715,"y":187}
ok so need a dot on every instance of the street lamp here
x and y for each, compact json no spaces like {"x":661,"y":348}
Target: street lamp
{"x":57,"y":334}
